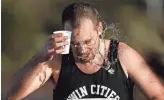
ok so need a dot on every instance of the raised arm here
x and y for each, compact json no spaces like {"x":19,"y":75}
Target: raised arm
{"x":29,"y":78}
{"x":140,"y":73}
{"x":38,"y":69}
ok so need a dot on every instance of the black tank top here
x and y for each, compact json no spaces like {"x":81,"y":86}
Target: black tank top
{"x":112,"y":84}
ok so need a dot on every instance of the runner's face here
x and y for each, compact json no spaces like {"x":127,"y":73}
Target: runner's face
{"x":84,"y":40}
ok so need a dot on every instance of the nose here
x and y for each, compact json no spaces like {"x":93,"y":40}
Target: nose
{"x":82,"y":48}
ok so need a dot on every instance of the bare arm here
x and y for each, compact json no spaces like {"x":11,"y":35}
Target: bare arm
{"x":141,"y":73}
{"x":29,"y":78}
{"x":37,"y":70}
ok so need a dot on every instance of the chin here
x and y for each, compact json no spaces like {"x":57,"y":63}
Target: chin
{"x":86,"y":59}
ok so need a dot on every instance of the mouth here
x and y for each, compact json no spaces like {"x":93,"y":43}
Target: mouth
{"x":85,"y":57}
{"x":82,"y":57}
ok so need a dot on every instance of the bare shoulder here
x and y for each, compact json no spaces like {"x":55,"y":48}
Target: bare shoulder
{"x":122,"y":50}
{"x":122,"y":47}
{"x":126,"y":53}
{"x":129,"y":58}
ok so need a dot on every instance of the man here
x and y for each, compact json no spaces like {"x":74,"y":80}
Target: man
{"x":94,"y":68}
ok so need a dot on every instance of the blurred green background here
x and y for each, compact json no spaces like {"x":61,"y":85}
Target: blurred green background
{"x":26,"y":24}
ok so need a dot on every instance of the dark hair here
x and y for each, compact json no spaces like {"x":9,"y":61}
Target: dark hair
{"x":76,"y":11}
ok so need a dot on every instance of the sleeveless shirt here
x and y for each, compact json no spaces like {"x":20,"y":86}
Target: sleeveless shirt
{"x":111,"y":83}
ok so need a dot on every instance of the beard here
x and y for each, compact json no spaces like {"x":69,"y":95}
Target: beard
{"x":84,"y":58}
{"x":87,"y":57}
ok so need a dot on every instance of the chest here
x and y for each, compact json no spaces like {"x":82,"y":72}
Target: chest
{"x":101,"y":84}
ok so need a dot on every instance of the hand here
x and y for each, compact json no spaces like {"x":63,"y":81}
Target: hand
{"x":53,"y":46}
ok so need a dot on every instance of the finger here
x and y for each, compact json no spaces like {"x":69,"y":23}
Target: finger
{"x":59,"y":51}
{"x":56,"y":35}
{"x":61,"y":38}
{"x":60,"y":44}
{"x":51,"y":51}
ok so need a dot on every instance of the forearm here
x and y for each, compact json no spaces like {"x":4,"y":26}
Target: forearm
{"x":158,"y":93}
{"x":29,"y":78}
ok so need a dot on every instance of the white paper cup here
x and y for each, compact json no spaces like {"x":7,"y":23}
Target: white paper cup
{"x":68,"y":34}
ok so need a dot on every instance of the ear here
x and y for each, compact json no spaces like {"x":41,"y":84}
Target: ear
{"x":99,"y":28}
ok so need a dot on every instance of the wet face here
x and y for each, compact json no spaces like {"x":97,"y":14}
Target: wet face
{"x":84,"y":40}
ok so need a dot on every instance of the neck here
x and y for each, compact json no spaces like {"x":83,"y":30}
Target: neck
{"x":101,"y":53}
